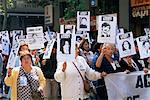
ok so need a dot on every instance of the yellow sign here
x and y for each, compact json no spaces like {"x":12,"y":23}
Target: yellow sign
{"x":139,"y":2}
{"x":141,"y":11}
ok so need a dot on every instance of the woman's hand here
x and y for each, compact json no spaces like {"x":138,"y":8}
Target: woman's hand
{"x":37,"y":59}
{"x":44,"y":62}
{"x":41,"y":90}
{"x":145,"y":70}
{"x":103,"y":74}
{"x":64,"y":66}
{"x":129,"y":60}
{"x":127,"y":71}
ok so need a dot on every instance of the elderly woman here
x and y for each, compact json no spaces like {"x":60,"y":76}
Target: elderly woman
{"x":72,"y":87}
{"x":25,"y":78}
{"x":106,"y":64}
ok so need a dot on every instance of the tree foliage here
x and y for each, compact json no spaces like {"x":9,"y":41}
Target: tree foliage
{"x":72,"y":7}
{"x":9,"y":4}
{"x":4,"y":5}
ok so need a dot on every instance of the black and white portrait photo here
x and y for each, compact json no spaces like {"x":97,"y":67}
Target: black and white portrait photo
{"x":83,"y":21}
{"x":66,"y":47}
{"x":125,"y":43}
{"x":0,"y":41}
{"x":13,"y":55}
{"x":68,"y":31}
{"x":143,"y":43}
{"x":105,"y":30}
{"x":49,"y":48}
{"x":35,"y":37}
{"x":126,"y":46}
{"x":5,"y":46}
{"x":146,"y":45}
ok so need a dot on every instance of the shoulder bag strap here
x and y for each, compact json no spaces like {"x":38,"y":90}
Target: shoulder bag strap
{"x":78,"y":71}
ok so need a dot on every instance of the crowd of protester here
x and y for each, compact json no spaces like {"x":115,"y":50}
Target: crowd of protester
{"x":61,"y":79}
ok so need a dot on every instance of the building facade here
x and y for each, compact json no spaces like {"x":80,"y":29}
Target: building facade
{"x":24,"y":13}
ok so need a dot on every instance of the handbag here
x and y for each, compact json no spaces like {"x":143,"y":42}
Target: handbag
{"x":36,"y":95}
{"x":88,"y":85}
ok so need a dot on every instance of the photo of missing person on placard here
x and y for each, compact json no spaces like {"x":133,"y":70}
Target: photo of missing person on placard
{"x":34,"y":38}
{"x":146,"y":46}
{"x":68,"y":31}
{"x":105,"y":32}
{"x":83,"y":22}
{"x":5,"y":46}
{"x":126,"y":46}
{"x":78,"y":39}
{"x":0,"y":39}
{"x":65,"y":46}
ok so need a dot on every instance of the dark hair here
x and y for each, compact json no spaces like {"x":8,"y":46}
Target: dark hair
{"x":25,"y":55}
{"x":84,"y":18}
{"x":124,"y":43}
{"x":82,"y":43}
{"x":45,"y":44}
{"x":55,"y":45}
{"x":106,"y":24}
{"x":145,"y":43}
{"x":25,"y":44}
{"x":96,"y":46}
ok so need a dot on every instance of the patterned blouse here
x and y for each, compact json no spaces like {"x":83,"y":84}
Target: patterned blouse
{"x":23,"y":87}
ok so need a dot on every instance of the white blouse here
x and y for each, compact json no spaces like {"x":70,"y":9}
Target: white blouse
{"x":71,"y":82}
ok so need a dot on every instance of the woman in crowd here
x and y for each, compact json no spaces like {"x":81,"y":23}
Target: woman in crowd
{"x":72,"y":87}
{"x":35,"y":58}
{"x":106,"y":64}
{"x":48,"y":66}
{"x":85,"y":52}
{"x":25,"y":78}
{"x":131,"y":64}
{"x":23,"y":47}
{"x":143,"y":63}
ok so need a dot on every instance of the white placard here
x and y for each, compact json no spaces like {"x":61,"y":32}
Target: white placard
{"x":120,"y":31}
{"x":52,"y":35}
{"x":133,"y":86}
{"x":107,"y":28}
{"x":0,"y":41}
{"x":16,"y":33}
{"x":83,"y":21}
{"x":66,"y":47}
{"x":82,"y":35}
{"x":48,"y":50}
{"x":5,"y":42}
{"x":46,"y":37}
{"x":22,"y":38}
{"x":13,"y":56}
{"x":147,"y":30}
{"x":125,"y":44}
{"x":35,"y":37}
{"x":67,"y":29}
{"x":143,"y":43}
